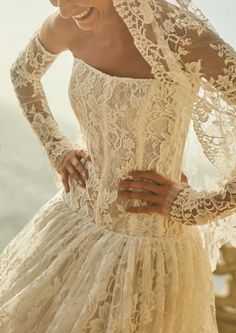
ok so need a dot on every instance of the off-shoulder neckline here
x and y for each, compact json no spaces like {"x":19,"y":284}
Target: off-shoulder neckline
{"x":122,"y":78}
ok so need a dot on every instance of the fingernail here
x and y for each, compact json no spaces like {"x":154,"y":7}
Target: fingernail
{"x":82,"y":183}
{"x":84,"y":175}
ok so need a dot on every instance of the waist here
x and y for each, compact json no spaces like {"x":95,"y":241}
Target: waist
{"x":113,"y":217}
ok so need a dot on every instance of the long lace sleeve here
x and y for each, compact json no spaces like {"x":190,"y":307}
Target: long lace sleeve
{"x":218,"y":62}
{"x":215,"y":106}
{"x":26,"y":74}
{"x":191,"y":207}
{"x":176,"y":40}
{"x":214,"y":122}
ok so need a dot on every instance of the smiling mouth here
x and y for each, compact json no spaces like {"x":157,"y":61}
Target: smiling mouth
{"x":83,"y":15}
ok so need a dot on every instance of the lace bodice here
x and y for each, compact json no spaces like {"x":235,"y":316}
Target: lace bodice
{"x":125,"y":124}
{"x":122,"y":133}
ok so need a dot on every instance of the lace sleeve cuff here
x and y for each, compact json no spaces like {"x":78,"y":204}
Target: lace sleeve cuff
{"x":190,"y":207}
{"x":173,"y":197}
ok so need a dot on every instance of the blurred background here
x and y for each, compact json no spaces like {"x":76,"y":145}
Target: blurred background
{"x":25,"y":176}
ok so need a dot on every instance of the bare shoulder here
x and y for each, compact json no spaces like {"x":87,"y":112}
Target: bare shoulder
{"x":56,"y":33}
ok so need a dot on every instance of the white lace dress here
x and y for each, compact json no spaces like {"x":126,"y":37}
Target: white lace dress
{"x":83,"y":264}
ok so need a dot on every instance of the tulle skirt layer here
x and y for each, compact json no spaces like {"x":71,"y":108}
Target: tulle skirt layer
{"x":61,"y":274}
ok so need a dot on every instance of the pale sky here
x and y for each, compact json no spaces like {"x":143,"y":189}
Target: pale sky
{"x":20,"y":18}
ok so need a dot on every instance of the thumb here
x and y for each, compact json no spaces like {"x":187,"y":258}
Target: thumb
{"x":184,"y":178}
{"x":82,"y":152}
{"x":88,"y":157}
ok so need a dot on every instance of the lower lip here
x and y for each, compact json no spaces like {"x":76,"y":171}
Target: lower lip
{"x":85,"y":17}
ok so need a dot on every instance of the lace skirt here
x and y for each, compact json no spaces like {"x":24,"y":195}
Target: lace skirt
{"x":61,"y":274}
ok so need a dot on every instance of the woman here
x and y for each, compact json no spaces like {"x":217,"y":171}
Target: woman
{"x":118,"y":249}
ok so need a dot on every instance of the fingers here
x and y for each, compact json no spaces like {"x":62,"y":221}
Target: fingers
{"x":149,"y":174}
{"x":156,"y":202}
{"x":72,"y":166}
{"x":149,"y":186}
{"x":184,"y":178}
{"x":83,"y":153}
{"x":78,"y":166}
{"x":155,"y":189}
{"x":65,"y":181}
{"x":74,"y":173}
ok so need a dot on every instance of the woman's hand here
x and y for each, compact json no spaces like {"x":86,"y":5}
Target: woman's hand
{"x":72,"y":165}
{"x":156,"y":188}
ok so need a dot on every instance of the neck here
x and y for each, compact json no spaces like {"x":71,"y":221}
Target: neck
{"x":113,"y":30}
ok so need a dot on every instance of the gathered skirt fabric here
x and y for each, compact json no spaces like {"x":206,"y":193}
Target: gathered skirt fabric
{"x":61,"y":274}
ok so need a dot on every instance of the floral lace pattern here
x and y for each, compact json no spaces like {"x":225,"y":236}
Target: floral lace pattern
{"x":26,"y":74}
{"x":130,"y":134}
{"x":172,"y":36}
{"x":191,"y":207}
{"x":66,"y":274}
{"x":94,"y":267}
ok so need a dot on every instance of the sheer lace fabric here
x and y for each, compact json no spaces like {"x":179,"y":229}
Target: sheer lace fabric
{"x":83,"y":264}
{"x":95,"y":267}
{"x":26,"y":74}
{"x":66,"y":274}
{"x":134,"y":135}
{"x":175,"y":37}
{"x":191,"y":207}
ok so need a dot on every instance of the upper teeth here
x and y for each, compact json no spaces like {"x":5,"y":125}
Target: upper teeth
{"x":83,"y":14}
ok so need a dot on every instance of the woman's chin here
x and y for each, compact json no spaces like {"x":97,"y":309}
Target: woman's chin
{"x":90,"y":22}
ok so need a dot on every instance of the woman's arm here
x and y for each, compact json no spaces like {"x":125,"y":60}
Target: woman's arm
{"x":191,"y":207}
{"x":179,"y":201}
{"x":26,"y":73}
{"x":218,"y":63}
